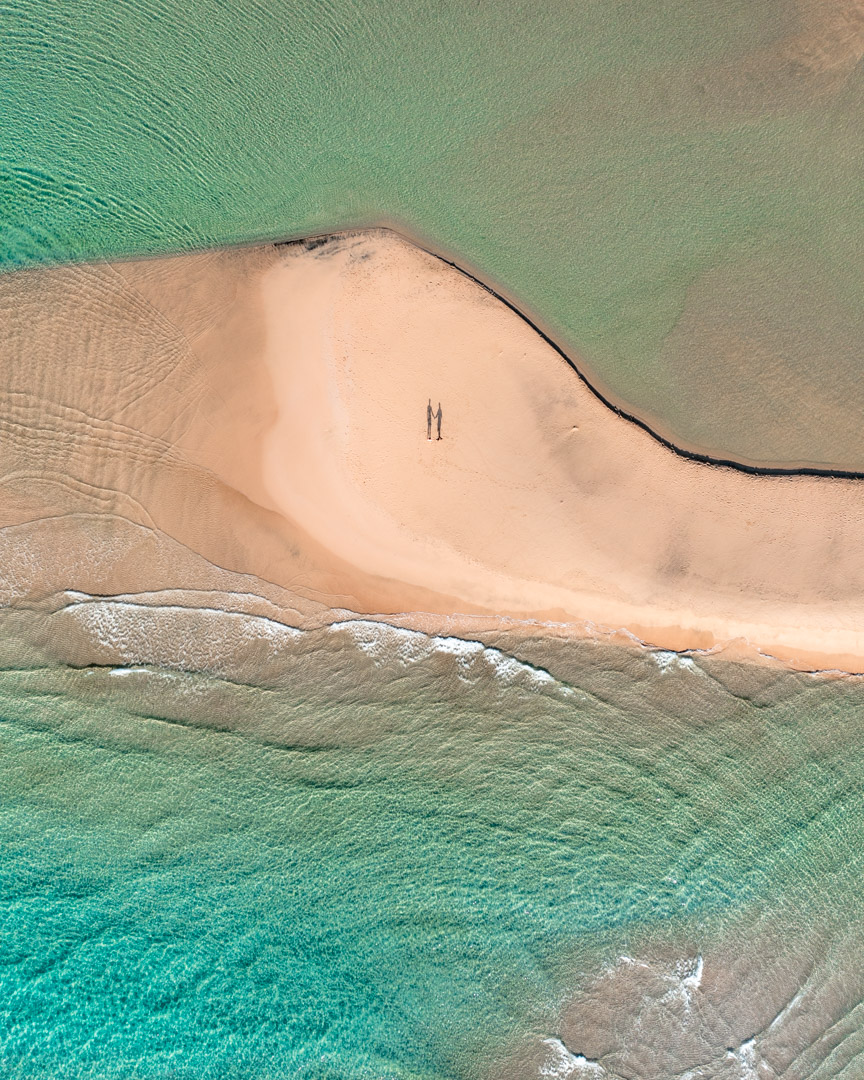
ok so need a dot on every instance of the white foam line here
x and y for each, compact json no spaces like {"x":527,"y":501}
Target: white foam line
{"x":561,"y":1064}
{"x":107,"y":618}
{"x":667,"y":660}
{"x":173,"y":636}
{"x":158,"y":598}
{"x":686,"y":978}
{"x":384,"y":643}
{"x":272,"y":627}
{"x":781,"y":1016}
{"x":745,"y":1056}
{"x":581,"y":630}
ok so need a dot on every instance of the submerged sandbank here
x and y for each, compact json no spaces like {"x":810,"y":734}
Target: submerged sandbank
{"x":254,"y":424}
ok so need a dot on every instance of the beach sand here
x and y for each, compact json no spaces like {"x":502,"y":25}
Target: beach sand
{"x":248,"y":429}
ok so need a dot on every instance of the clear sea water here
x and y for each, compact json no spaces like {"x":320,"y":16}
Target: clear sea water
{"x":411,"y":858}
{"x":395,"y":858}
{"x":660,"y":182}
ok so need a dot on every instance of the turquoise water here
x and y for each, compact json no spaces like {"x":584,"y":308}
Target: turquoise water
{"x":410,"y":872}
{"x":416,"y":863}
{"x":660,"y":182}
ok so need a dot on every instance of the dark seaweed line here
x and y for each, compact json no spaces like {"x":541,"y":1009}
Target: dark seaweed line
{"x":689,"y":455}
{"x":313,"y":242}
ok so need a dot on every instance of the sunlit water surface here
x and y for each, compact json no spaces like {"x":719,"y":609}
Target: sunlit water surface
{"x":672,"y":187}
{"x":408,"y":857}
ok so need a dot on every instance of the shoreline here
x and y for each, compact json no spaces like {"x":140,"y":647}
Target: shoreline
{"x":253,"y":422}
{"x":650,"y":425}
{"x":590,"y":384}
{"x":165,"y":648}
{"x":655,"y":514}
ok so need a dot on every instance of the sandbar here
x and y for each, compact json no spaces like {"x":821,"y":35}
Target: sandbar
{"x":253,"y":424}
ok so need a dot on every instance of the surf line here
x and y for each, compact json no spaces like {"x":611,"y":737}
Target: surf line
{"x":313,"y":243}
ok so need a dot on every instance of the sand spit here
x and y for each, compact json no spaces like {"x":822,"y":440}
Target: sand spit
{"x":256,"y":423}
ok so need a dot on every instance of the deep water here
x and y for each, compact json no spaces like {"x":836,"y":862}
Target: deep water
{"x":410,"y":858}
{"x":659,"y":182}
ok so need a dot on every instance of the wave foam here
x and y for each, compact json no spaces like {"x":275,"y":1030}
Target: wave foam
{"x":174,"y":636}
{"x":686,"y":979}
{"x":745,"y":1059}
{"x":127,"y":632}
{"x":386,"y":643}
{"x":667,"y":661}
{"x":560,"y":1064}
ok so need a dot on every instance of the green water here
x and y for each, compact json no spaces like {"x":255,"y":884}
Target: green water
{"x":386,"y":868}
{"x":408,"y":874}
{"x":650,"y":178}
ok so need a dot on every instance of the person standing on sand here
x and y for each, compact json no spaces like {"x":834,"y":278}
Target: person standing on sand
{"x":438,"y":417}
{"x":429,"y":415}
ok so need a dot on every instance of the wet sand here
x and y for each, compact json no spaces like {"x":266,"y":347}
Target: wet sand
{"x":248,"y":428}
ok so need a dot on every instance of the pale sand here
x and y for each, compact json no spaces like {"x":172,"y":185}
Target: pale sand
{"x":252,"y":423}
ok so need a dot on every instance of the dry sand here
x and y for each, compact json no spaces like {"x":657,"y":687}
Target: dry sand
{"x":249,"y":429}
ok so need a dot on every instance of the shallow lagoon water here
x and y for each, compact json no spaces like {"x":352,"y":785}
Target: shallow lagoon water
{"x":409,"y":857}
{"x":672,"y":188}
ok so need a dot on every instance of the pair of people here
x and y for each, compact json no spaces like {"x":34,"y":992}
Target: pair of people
{"x":430,"y":416}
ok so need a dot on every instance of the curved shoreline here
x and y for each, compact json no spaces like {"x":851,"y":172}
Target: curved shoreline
{"x":257,"y":418}
{"x":309,"y":243}
{"x":423,"y":244}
